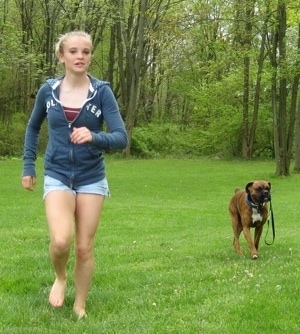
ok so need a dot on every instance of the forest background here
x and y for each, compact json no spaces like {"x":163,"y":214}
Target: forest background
{"x":192,"y":77}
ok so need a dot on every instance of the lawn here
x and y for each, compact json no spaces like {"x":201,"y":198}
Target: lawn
{"x":164,"y":256}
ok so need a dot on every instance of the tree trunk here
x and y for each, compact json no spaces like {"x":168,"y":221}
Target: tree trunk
{"x":245,"y":127}
{"x":297,"y":113}
{"x":135,"y":59}
{"x":280,"y":103}
{"x":257,"y":91}
{"x":244,"y":37}
{"x":297,"y":140}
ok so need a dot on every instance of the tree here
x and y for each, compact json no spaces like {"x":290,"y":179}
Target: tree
{"x":297,"y":140}
{"x":297,"y":120}
{"x":137,"y":53}
{"x":283,"y":116}
{"x":220,"y":72}
{"x":243,"y":36}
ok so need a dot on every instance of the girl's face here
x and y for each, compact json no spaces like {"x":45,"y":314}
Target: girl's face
{"x":77,"y":54}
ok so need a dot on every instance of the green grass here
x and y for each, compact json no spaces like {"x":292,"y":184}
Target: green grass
{"x":164,"y":256}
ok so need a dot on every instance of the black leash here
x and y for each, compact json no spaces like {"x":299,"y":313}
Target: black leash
{"x":273,"y":225}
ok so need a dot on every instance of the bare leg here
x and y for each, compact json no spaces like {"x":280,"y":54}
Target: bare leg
{"x":60,"y":206}
{"x":88,"y":212}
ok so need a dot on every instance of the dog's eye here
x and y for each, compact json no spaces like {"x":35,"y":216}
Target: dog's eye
{"x":258,"y":189}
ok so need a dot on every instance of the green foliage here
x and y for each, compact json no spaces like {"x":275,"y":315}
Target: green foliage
{"x":220,"y":137}
{"x":191,"y":77}
{"x":12,"y":136}
{"x":213,"y":128}
{"x":155,"y":140}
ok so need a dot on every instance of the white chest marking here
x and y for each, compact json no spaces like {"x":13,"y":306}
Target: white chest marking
{"x":256,"y":216}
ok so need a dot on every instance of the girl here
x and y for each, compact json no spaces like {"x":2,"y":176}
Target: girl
{"x":75,"y":105}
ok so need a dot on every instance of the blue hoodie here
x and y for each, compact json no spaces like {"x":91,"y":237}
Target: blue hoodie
{"x":74,"y":164}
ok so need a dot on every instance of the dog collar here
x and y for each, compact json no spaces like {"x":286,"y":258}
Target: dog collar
{"x":258,"y":207}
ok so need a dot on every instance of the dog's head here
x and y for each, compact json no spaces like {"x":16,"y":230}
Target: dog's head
{"x":259,"y":191}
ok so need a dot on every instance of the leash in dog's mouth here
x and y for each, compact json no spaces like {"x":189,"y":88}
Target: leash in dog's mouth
{"x":258,"y":207}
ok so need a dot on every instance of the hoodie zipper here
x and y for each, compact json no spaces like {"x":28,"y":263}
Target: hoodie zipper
{"x":85,"y":102}
{"x":71,"y":152}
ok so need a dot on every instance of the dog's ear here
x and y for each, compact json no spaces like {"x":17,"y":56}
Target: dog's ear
{"x":269,"y":183}
{"x":248,"y":185}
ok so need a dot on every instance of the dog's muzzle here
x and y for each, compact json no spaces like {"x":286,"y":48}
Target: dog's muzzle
{"x":265,"y":196}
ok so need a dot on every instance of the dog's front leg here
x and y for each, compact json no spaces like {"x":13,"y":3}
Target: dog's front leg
{"x":253,"y":250}
{"x":237,"y":229}
{"x":257,"y":235}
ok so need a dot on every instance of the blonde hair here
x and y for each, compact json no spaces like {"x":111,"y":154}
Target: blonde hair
{"x":59,"y":46}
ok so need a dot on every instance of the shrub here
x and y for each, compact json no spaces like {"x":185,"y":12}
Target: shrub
{"x":12,"y":136}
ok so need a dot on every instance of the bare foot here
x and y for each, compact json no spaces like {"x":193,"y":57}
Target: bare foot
{"x":57,"y":293}
{"x":80,"y":312}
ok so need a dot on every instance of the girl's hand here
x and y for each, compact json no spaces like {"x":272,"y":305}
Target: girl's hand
{"x":81,"y":135}
{"x":28,"y":182}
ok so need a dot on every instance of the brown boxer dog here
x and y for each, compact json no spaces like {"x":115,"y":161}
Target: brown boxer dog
{"x":248,"y":208}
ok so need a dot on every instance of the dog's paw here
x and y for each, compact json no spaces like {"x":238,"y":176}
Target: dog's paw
{"x":254,"y":257}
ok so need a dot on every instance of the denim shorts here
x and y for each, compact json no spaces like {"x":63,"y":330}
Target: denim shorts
{"x":99,"y":188}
